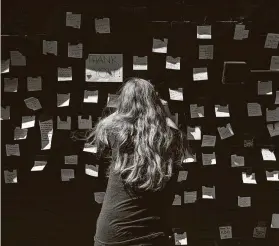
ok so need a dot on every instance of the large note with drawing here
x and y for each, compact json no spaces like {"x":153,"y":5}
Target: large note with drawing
{"x":104,"y":68}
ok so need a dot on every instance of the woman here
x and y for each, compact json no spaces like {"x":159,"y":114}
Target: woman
{"x":147,"y":148}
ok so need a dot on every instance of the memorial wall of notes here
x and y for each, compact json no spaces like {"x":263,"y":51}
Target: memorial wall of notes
{"x":218,"y":72}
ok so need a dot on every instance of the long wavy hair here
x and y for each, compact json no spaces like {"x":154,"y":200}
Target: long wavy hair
{"x":146,"y":148}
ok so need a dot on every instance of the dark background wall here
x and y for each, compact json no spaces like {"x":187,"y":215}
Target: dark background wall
{"x":40,"y":209}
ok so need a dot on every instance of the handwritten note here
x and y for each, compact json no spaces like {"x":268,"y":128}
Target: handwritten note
{"x":240,"y":33}
{"x":237,"y":161}
{"x":254,"y":109}
{"x":190,"y":196}
{"x":34,"y":83}
{"x":274,"y":63}
{"x":39,"y":166}
{"x":268,"y":155}
{"x":90,"y":148}
{"x":204,"y":32}
{"x":225,"y":232}
{"x":160,"y":45}
{"x":5,"y":66}
{"x":277,"y":98}
{"x":209,"y":159}
{"x":176,"y":95}
{"x":205,"y":52}
{"x":92,"y":170}
{"x":225,"y":132}
{"x":46,"y":128}
{"x":33,"y":103}
{"x":259,"y":231}
{"x":196,"y":111}
{"x":64,"y":124}
{"x":264,"y":87}
{"x":249,"y":178}
{"x":273,"y":129}
{"x":272,"y":176}
{"x":182,"y":175}
{"x":190,"y":157}
{"x":65,"y":74}
{"x":194,"y":133}
{"x":200,"y":74}
{"x":20,"y":133}
{"x":271,"y":41}
{"x":104,"y":68}
{"x":28,"y":121}
{"x":112,"y":100}
{"x":84,"y":123}
{"x":173,"y":63}
{"x":63,"y":100}
{"x":67,"y":174}
{"x":244,"y":202}
{"x":176,"y":200}
{"x":208,"y":192}
{"x":90,"y":96}
{"x":180,"y":238}
{"x":73,"y":20}
{"x":5,"y":112}
{"x":75,"y":50}
{"x":71,"y":159}
{"x":275,"y":221}
{"x":222,"y":111}
{"x":50,"y":47}
{"x":272,"y":114}
{"x":17,"y":59}
{"x":10,"y":177}
{"x":12,"y":150}
{"x":208,"y":141}
{"x":10,"y":84}
{"x":102,"y":25}
{"x":139,"y":62}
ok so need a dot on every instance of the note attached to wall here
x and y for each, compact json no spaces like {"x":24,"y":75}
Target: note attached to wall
{"x":17,"y":59}
{"x":272,"y":176}
{"x":208,"y":159}
{"x":264,"y":87}
{"x":203,"y":32}
{"x":90,"y":96}
{"x":160,"y":45}
{"x":222,"y":111}
{"x":182,"y":175}
{"x":140,"y":62}
{"x":272,"y":114}
{"x":194,"y":133}
{"x":260,"y":230}
{"x":225,"y":232}
{"x":273,"y":129}
{"x":90,"y":148}
{"x":46,"y":128}
{"x":244,"y":201}
{"x":275,"y":221}
{"x":205,"y":52}
{"x":84,"y":123}
{"x":237,"y":161}
{"x":104,"y":68}
{"x":271,"y":41}
{"x":173,"y":63}
{"x":225,"y":132}
{"x":71,"y":159}
{"x":208,"y":141}
{"x":75,"y":50}
{"x":20,"y":134}
{"x":208,"y":192}
{"x":28,"y":122}
{"x":268,"y":155}
{"x":92,"y":170}
{"x":12,"y":150}
{"x":39,"y":166}
{"x":63,"y":100}
{"x":277,"y":98}
{"x":102,"y":25}
{"x":34,"y":83}
{"x":249,"y":178}
{"x":10,"y":177}
{"x":64,"y":74}
{"x":180,"y":238}
{"x":254,"y":109}
{"x":200,"y":73}
{"x":10,"y":84}
{"x":5,"y":66}
{"x":190,"y":196}
{"x":176,"y":95}
{"x":67,"y":174}
{"x":190,"y":157}
{"x":64,"y":124}
{"x":49,"y":47}
{"x":112,"y":100}
{"x":274,"y":63}
{"x":5,"y":112}
{"x":176,"y":200}
{"x":33,"y":103}
{"x":73,"y":20}
{"x":240,"y":33}
{"x":196,"y":111}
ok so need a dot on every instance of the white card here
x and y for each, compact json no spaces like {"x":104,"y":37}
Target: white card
{"x":90,"y":96}
{"x":71,"y":159}
{"x":65,"y":74}
{"x":28,"y":122}
{"x":176,"y":95}
{"x":194,"y":133}
{"x":206,"y":52}
{"x":272,"y":114}
{"x":160,"y":45}
{"x":102,"y":25}
{"x":208,"y":141}
{"x":12,"y":150}
{"x":200,"y":73}
{"x":10,"y":84}
{"x":139,"y":62}
{"x":225,"y":132}
{"x":10,"y":177}
{"x":208,"y":192}
{"x":222,"y":111}
{"x":204,"y":32}
{"x":33,"y":103}
{"x":254,"y":109}
{"x":90,"y":148}
{"x":208,"y":159}
{"x":34,"y":83}
{"x":237,"y":161}
{"x":244,"y":202}
{"x":63,"y":100}
{"x":274,"y":63}
{"x":75,"y":50}
{"x":73,"y":20}
{"x":20,"y":133}
{"x":268,"y":155}
{"x":92,"y":170}
{"x":5,"y":112}
{"x":272,"y":176}
{"x":271,"y":41}
{"x":49,"y":47}
{"x":39,"y":166}
{"x":84,"y":123}
{"x":249,"y":178}
{"x":182,"y":175}
{"x":225,"y":232}
{"x":67,"y":174}
{"x":173,"y":63}
{"x":17,"y":59}
{"x":264,"y":87}
{"x":46,"y":128}
{"x":5,"y":66}
{"x":196,"y":111}
{"x":190,"y":196}
{"x":64,"y":125}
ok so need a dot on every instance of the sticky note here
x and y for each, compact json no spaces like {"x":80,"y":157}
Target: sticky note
{"x":208,"y":192}
{"x":112,"y":100}
{"x":90,"y":96}
{"x":225,"y":232}
{"x":84,"y":123}
{"x":272,"y":176}
{"x":277,"y":98}
{"x":254,"y":109}
{"x":63,"y":100}
{"x":208,"y":141}
{"x":46,"y":129}
{"x":12,"y":150}
{"x":10,"y":177}
{"x":160,"y":45}
{"x":67,"y":174}
{"x":75,"y":50}
{"x":275,"y":221}
{"x":34,"y":83}
{"x":104,"y":68}
{"x":264,"y":87}
{"x":204,"y":32}
{"x":200,"y":74}
{"x":271,"y":41}
{"x":20,"y":133}
{"x":73,"y":20}
{"x":39,"y":166}
{"x":205,"y":52}
{"x":182,"y":175}
{"x":173,"y":63}
{"x":190,"y":196}
{"x":196,"y":111}
{"x":176,"y":200}
{"x":33,"y":103}
{"x":5,"y":112}
{"x":274,"y":63}
{"x":50,"y":47}
{"x":268,"y":155}
{"x":222,"y":111}
{"x":239,"y":32}
{"x":244,"y":202}
{"x":92,"y":170}
{"x":65,"y":74}
{"x":64,"y":124}
{"x":28,"y":121}
{"x":209,"y":159}
{"x":140,"y":62}
{"x":10,"y":84}
{"x":225,"y":132}
{"x":190,"y":157}
{"x":273,"y":129}
{"x":176,"y":95}
{"x":194,"y":133}
{"x":5,"y":66}
{"x":99,"y":197}
{"x":237,"y":161}
{"x":71,"y":159}
{"x":180,"y":238}
{"x":17,"y":59}
{"x":272,"y":114}
{"x":259,"y":232}
{"x":249,"y":178}
{"x":102,"y":25}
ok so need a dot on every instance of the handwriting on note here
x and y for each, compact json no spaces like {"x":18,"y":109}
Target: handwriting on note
{"x":139,"y":62}
{"x":64,"y":74}
{"x":208,"y":192}
{"x":176,"y":95}
{"x":196,"y":111}
{"x":225,"y":232}
{"x":73,"y":20}
{"x":33,"y":103}
{"x":46,"y":128}
{"x":34,"y":83}
{"x":274,"y":63}
{"x":190,"y":196}
{"x":12,"y":150}
{"x":244,"y":202}
{"x":254,"y":109}
{"x":200,"y":73}
{"x":240,"y":33}
{"x":75,"y":50}
{"x":268,"y":155}
{"x":205,"y":52}
{"x":272,"y":114}
{"x":160,"y":45}
{"x":173,"y":63}
{"x":49,"y":47}
{"x":271,"y":41}
{"x":209,"y":159}
{"x":10,"y":84}
{"x":71,"y":159}
{"x":208,"y":141}
{"x":226,"y":131}
{"x":67,"y":174}
{"x":102,"y":25}
{"x":20,"y":134}
{"x":17,"y":59}
{"x":90,"y":96}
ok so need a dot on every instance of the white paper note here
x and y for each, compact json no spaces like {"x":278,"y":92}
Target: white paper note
{"x":225,"y":232}
{"x":225,"y":132}
{"x":10,"y":84}
{"x":274,"y":63}
{"x":17,"y":59}
{"x":64,"y":125}
{"x":90,"y":96}
{"x":73,"y":20}
{"x":28,"y":122}
{"x":5,"y":112}
{"x":67,"y":174}
{"x":275,"y":221}
{"x":272,"y":114}
{"x":34,"y":83}
{"x":90,"y":148}
{"x":273,"y":129}
{"x":194,"y":133}
{"x":39,"y":166}
{"x":63,"y":100}
{"x":5,"y":66}
{"x":12,"y":150}
{"x":65,"y":74}
{"x":200,"y":73}
{"x":271,"y":41}
{"x":173,"y":63}
{"x":176,"y":200}
{"x":237,"y":161}
{"x":180,"y":238}
{"x":268,"y":155}
{"x":244,"y":201}
{"x":10,"y":177}
{"x":204,"y":32}
{"x":46,"y":128}
{"x":75,"y":50}
{"x":206,"y":52}
{"x":208,"y":159}
{"x":239,"y":32}
{"x":102,"y":25}
{"x":20,"y":133}
{"x":259,"y":232}
{"x":277,"y":97}
{"x":84,"y":123}
{"x":249,"y":178}
{"x":50,"y":47}
{"x":264,"y":87}
{"x":272,"y":176}
{"x":196,"y":111}
{"x":208,"y":192}
{"x":176,"y":95}
{"x":92,"y":170}
{"x":254,"y":109}
{"x":160,"y":45}
{"x":33,"y":103}
{"x":208,"y":141}
{"x":182,"y":175}
{"x":71,"y":159}
{"x":190,"y":157}
{"x":190,"y":196}
{"x":139,"y":62}
{"x":222,"y":111}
